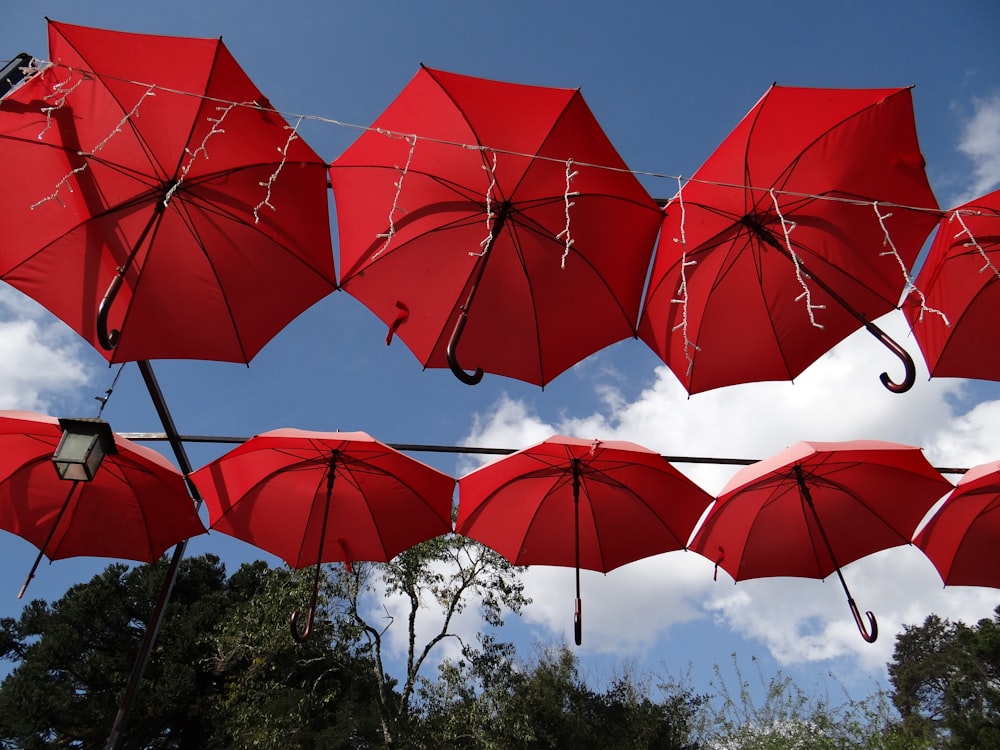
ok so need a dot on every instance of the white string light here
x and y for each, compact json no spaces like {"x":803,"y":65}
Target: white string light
{"x":202,"y":149}
{"x":786,"y":229}
{"x":488,"y":240}
{"x":387,"y":236}
{"x":413,"y":138}
{"x":565,"y":234}
{"x":973,"y":242}
{"x":134,"y":112}
{"x":292,"y":136}
{"x":907,"y":276}
{"x":60,"y":88}
{"x":681,"y":298}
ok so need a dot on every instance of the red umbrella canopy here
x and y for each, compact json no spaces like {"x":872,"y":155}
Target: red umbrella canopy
{"x":631,"y":503}
{"x":135,"y":508}
{"x":961,"y":539}
{"x":954,"y":307}
{"x":311,"y":497}
{"x":861,"y":495}
{"x":496,"y":221}
{"x":777,"y":248}
{"x":162,"y":209}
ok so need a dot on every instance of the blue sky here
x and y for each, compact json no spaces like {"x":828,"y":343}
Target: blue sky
{"x":667,"y":81}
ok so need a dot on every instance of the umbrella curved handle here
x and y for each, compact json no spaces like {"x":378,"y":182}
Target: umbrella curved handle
{"x":108,"y":339}
{"x":869,"y":633}
{"x":456,"y":368}
{"x":910,"y":374}
{"x":293,"y":623}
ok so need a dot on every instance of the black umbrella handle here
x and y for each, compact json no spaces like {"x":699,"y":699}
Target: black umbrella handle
{"x":109,"y":339}
{"x":456,"y":368}
{"x":910,"y":369}
{"x":870,"y":633}
{"x":910,"y":375}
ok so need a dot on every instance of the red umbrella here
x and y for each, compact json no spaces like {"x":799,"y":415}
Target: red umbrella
{"x":135,"y":507}
{"x":963,"y":536}
{"x":586,"y":503}
{"x":317,"y":497}
{"x":161,"y":208}
{"x":793,"y":234}
{"x":494,"y":224}
{"x":815,"y":507}
{"x":955,"y":303}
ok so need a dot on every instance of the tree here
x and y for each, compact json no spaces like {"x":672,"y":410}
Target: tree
{"x":442,"y":576}
{"x":946,"y":680}
{"x":488,"y":700}
{"x":277,"y":693}
{"x":225,"y":672}
{"x":75,"y":656}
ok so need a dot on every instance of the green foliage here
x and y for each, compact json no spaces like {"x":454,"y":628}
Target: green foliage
{"x":438,"y":579}
{"x":224,"y":673}
{"x":75,"y":656}
{"x":947,"y":683}
{"x":487,"y":700}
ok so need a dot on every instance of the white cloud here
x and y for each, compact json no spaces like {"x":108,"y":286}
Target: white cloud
{"x":797,"y":620}
{"x":40,"y":358}
{"x":980,"y":142}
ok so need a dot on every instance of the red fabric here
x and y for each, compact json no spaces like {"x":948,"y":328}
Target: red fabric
{"x":136,"y":507}
{"x":961,"y":539}
{"x":272,"y":492}
{"x":209,"y":281}
{"x":958,"y":280}
{"x":745,"y":318}
{"x":869,"y":496}
{"x":632,"y":504}
{"x":530,"y":318}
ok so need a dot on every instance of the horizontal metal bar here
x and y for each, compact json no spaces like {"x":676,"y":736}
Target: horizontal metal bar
{"x":422,"y":447}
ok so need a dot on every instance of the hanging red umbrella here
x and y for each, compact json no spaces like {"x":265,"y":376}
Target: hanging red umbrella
{"x":318,"y":497}
{"x":954,"y":305}
{"x":161,"y":208}
{"x":815,"y":507}
{"x":494,"y":225}
{"x":581,"y":503}
{"x":135,"y":507}
{"x":961,"y":539}
{"x":793,"y":234}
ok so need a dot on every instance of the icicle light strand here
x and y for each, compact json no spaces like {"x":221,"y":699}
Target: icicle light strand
{"x":682,"y":289}
{"x":202,"y":149}
{"x":973,"y":242}
{"x":786,"y":229}
{"x":292,"y":136}
{"x":490,"y":169}
{"x":565,"y":233}
{"x":65,"y":181}
{"x":387,"y":236}
{"x":412,"y":138}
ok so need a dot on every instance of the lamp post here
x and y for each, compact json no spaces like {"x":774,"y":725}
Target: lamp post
{"x":81,"y":449}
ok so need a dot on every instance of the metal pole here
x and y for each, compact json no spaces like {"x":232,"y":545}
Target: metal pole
{"x":156,"y":617}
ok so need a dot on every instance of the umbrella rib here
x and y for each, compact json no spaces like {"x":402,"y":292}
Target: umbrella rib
{"x":125,"y":111}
